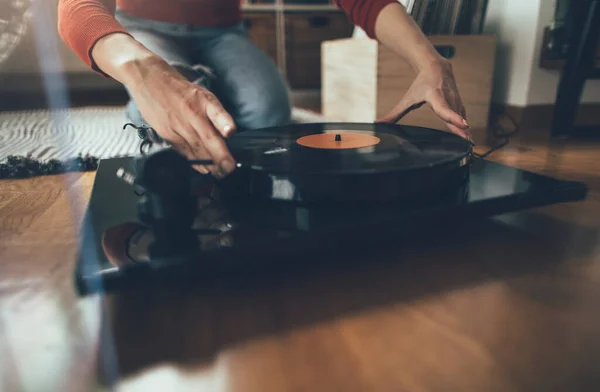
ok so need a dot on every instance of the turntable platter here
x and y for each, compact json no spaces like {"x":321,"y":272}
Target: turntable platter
{"x":346,"y":148}
{"x":344,"y":162}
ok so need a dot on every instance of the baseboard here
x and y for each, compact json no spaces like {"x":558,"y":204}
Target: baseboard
{"x":75,"y":98}
{"x":540,"y":117}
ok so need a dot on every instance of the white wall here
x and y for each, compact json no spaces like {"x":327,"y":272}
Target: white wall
{"x":514,"y":22}
{"x":519,"y":26}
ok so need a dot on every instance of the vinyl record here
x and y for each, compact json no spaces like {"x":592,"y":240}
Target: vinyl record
{"x":337,"y":162}
{"x":346,"y":148}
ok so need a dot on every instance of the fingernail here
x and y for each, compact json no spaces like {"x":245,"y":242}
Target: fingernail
{"x":201,"y":169}
{"x":228,"y":165}
{"x":227,"y":128}
{"x":465,"y":122}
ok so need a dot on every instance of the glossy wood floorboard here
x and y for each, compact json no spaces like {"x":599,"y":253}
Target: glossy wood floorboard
{"x":507,"y":304}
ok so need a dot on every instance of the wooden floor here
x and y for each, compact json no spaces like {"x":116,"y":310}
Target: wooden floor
{"x":509,"y":304}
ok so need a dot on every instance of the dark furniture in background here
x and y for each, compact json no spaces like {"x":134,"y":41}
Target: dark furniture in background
{"x":574,"y":49}
{"x":292,"y":34}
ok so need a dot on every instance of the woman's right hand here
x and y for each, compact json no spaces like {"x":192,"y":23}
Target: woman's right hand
{"x":184,"y":114}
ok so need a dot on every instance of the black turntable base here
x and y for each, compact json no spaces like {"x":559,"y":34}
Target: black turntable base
{"x":298,"y":191}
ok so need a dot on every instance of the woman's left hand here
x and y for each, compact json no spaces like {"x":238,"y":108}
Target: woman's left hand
{"x":435,"y":86}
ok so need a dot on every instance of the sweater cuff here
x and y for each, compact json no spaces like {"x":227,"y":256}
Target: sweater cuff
{"x":85,"y":35}
{"x":90,"y":59}
{"x":364,"y":13}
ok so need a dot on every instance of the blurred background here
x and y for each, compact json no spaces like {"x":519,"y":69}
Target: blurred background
{"x":527,"y":55}
{"x":510,"y":303}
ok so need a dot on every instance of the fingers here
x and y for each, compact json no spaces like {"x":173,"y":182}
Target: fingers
{"x":441,"y":108}
{"x":180,"y":144}
{"x":463,"y":112}
{"x":399,"y":111}
{"x":461,"y":109}
{"x":208,"y":138}
{"x":191,"y":119}
{"x":202,"y":154}
{"x":203,"y":124}
{"x":455,"y":122}
{"x":219,"y":117}
{"x":198,"y":152}
{"x":464,"y":133}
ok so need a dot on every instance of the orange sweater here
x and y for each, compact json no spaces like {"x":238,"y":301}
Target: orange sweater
{"x":83,"y":22}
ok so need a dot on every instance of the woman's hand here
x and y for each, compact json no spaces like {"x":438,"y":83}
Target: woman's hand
{"x":436,"y":87}
{"x":184,"y":114}
{"x":434,"y":83}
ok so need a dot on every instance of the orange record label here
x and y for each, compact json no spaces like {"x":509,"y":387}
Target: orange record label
{"x":338,"y":140}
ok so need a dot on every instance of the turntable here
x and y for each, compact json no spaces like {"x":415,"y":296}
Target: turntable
{"x":296,"y":190}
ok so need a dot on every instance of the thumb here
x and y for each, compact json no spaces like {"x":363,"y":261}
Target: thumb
{"x":219,"y":117}
{"x":454,"y":122}
{"x":399,"y":111}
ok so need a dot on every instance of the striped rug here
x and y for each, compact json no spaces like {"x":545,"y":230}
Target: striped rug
{"x":65,"y":134}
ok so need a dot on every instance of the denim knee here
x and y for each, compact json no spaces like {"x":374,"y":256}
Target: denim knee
{"x":268,"y":111}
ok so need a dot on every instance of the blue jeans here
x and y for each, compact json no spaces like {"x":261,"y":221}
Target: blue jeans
{"x":222,"y":59}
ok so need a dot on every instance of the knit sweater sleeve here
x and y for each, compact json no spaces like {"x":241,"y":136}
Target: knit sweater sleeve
{"x":81,"y":23}
{"x":364,"y":13}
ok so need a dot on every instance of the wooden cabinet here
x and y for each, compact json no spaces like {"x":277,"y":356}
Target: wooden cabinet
{"x":304,"y":32}
{"x":261,"y":28}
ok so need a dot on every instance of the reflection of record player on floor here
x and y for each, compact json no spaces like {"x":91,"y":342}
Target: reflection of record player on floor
{"x":297,"y":189}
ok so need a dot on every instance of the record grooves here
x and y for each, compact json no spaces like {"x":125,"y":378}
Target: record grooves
{"x":341,"y":162}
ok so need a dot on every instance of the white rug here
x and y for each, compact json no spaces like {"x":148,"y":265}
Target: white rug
{"x":65,"y":134}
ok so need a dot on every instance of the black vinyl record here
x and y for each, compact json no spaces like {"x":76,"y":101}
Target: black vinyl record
{"x":343,"y":161}
{"x":384,"y":147}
